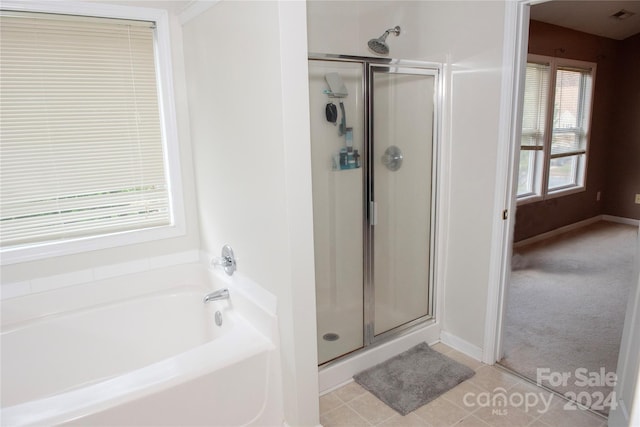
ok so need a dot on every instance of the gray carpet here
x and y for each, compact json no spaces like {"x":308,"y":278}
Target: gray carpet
{"x":413,"y":378}
{"x":566,"y":306}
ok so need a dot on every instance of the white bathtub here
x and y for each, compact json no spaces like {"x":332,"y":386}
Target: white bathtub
{"x":141,"y":349}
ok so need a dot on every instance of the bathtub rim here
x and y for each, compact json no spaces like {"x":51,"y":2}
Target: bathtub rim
{"x":8,"y":327}
{"x":256,"y":311}
{"x":104,"y":291}
{"x":246,"y":341}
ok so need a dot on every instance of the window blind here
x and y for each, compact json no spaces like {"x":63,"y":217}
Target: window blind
{"x":570,"y":111}
{"x":81,"y":142}
{"x":536,"y":97}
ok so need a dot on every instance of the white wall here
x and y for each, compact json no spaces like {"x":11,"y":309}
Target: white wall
{"x":467,"y":37}
{"x":23,"y":273}
{"x":248,"y":100}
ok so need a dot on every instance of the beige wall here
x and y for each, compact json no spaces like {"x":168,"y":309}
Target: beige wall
{"x":614,"y":182}
{"x":623,"y":173}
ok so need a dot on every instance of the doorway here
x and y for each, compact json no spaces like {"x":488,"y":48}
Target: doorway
{"x":594,"y":196}
{"x":374,"y":173}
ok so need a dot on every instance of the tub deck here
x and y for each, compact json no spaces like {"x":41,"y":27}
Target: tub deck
{"x":154,"y":358}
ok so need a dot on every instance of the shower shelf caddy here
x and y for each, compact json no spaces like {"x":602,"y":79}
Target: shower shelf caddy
{"x":347,"y":158}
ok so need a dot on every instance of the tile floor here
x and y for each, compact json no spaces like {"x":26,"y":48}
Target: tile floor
{"x":467,"y":405}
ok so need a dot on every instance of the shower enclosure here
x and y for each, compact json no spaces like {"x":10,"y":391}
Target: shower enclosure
{"x":373,"y":146}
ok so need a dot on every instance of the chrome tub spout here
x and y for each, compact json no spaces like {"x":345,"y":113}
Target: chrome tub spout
{"x":218,"y":295}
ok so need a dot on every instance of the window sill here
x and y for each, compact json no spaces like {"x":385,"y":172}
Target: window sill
{"x":552,"y":195}
{"x":565,"y":192}
{"x":103,"y":272}
{"x":35,"y":252}
{"x":528,"y":199}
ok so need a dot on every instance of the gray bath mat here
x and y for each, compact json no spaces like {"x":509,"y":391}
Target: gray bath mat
{"x":413,"y":378}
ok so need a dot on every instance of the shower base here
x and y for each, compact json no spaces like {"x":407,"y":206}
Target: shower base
{"x":340,"y":371}
{"x":346,"y":323}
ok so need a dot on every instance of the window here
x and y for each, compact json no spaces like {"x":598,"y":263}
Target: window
{"x":84,"y":137}
{"x":555,"y":127}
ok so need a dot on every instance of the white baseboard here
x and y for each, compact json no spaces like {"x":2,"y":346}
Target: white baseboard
{"x":558,"y":231}
{"x":461,"y":345}
{"x":621,"y":220}
{"x":576,"y":225}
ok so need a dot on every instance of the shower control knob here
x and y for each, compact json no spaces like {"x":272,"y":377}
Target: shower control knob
{"x":392,"y":158}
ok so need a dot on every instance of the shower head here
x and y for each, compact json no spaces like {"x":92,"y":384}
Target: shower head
{"x":379,"y":45}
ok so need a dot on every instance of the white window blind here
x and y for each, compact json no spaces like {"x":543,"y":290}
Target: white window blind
{"x":81,"y":142}
{"x":570,"y":119}
{"x":570,"y":126}
{"x":536,"y":97}
{"x":534,"y":117}
{"x":555,"y":127}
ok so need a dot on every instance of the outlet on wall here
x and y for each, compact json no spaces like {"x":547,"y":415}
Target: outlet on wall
{"x":637,"y":199}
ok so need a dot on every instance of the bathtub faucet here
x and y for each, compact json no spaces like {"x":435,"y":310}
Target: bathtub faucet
{"x":218,"y":295}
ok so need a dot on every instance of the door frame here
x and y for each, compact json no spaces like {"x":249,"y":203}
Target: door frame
{"x":514,"y":54}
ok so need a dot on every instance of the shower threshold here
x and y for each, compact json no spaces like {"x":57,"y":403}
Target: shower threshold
{"x":338,"y":371}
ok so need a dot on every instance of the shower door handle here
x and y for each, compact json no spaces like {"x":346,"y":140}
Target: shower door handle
{"x":373,"y":213}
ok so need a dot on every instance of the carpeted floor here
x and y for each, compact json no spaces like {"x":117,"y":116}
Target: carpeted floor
{"x":565,"y":308}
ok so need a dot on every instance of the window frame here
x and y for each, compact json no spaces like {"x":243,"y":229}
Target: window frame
{"x":166,"y":101}
{"x":543,"y":155}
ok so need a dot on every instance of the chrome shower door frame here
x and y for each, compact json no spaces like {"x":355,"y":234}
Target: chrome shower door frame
{"x":411,"y":68}
{"x":371,"y":65}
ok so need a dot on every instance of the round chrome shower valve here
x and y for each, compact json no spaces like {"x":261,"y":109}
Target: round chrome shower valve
{"x":392,"y":158}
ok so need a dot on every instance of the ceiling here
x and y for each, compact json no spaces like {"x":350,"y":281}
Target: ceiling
{"x":590,"y":16}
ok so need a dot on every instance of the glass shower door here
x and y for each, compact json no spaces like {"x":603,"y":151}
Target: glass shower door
{"x":401,"y":162}
{"x":338,"y":202}
{"x":372,"y":158}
